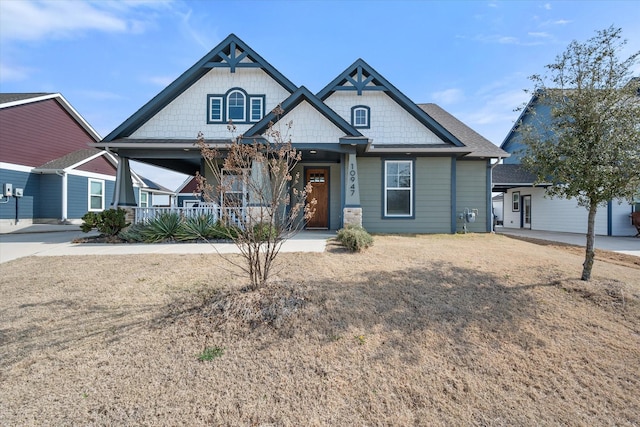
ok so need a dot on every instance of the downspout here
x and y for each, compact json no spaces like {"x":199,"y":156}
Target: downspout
{"x":490,"y":204}
{"x":64,"y":176}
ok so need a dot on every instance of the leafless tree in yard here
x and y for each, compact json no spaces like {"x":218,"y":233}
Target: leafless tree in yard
{"x":262,"y":202}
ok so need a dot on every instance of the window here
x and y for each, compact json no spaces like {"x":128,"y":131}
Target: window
{"x":360,"y":116}
{"x":256,"y":109}
{"x":234,"y":191}
{"x":398,"y":188}
{"x":515,"y":201}
{"x":215,"y":109}
{"x":96,"y":195}
{"x":236,"y":106}
{"x":144,"y":199}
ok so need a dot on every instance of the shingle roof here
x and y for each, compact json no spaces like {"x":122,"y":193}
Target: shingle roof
{"x":512,"y":174}
{"x":70,"y":159}
{"x":12,"y":97}
{"x":480,"y":146}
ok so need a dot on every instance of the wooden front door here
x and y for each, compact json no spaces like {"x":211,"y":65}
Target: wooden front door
{"x":319,"y":179}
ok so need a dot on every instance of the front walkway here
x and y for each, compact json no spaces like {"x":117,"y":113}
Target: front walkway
{"x":621,"y":244}
{"x":55,"y":240}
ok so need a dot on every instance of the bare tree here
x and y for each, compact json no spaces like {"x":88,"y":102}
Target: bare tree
{"x":589,"y":150}
{"x":262,"y":202}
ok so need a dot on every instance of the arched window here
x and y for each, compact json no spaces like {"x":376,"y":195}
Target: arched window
{"x":360,"y":116}
{"x":236,"y":106}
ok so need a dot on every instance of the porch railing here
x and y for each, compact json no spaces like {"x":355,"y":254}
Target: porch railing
{"x":145,"y":215}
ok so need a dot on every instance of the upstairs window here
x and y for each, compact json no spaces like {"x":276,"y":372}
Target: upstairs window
{"x":144,"y":199}
{"x":236,"y":106}
{"x":360,"y":116}
{"x":398,"y":188}
{"x":257,"y":108}
{"x":215,"y":109}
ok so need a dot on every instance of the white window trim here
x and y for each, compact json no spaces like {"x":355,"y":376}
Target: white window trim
{"x":146,"y":193}
{"x":101,"y":182}
{"x":409,"y":189}
{"x":261,"y":101}
{"x":221,"y":100}
{"x":355,"y":117}
{"x":244,"y":109}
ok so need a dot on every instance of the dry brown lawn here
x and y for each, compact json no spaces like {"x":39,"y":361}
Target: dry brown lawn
{"x":418,"y":330}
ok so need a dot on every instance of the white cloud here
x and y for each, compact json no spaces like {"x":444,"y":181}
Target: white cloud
{"x":12,"y":73}
{"x":547,"y":6}
{"x":448,"y":96}
{"x":38,"y":19}
{"x":539,"y":34}
{"x":31,"y":20}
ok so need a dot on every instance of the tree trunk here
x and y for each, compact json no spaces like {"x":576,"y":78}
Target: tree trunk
{"x":591,"y":237}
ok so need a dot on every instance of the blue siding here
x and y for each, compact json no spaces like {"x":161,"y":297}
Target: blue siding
{"x":77,"y":196}
{"x":50,"y":199}
{"x":513,"y":143}
{"x":26,"y":205}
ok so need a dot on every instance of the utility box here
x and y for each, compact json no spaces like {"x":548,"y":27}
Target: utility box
{"x":7,"y":190}
{"x":18,"y":192}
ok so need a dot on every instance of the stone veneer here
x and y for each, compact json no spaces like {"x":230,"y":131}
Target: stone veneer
{"x":352,"y":216}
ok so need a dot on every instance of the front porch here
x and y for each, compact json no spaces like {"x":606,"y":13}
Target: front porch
{"x":232,"y":215}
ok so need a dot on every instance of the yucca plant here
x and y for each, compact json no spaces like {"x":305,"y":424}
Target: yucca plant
{"x":165,"y":226}
{"x":198,"y":227}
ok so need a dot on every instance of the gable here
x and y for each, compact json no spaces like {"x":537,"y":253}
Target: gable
{"x":98,"y":165}
{"x":37,"y":132}
{"x":232,"y":57}
{"x":309,"y":126}
{"x":390,"y":123}
{"x":360,"y":78}
{"x":186,"y":115}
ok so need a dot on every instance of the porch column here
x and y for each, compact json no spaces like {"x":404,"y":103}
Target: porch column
{"x":352,"y":213}
{"x":123,"y":193}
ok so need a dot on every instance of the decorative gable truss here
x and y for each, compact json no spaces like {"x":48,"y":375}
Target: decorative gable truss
{"x":370,"y":103}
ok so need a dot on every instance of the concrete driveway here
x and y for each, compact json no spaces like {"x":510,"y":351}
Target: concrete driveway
{"x":626,"y":245}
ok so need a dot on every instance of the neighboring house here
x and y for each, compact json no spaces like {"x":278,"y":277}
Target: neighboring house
{"x":45,"y":160}
{"x":498,"y":204}
{"x":527,"y":206}
{"x":187,"y":194}
{"x":372,"y":155}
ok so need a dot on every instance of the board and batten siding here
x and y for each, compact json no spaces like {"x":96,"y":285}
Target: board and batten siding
{"x":432,"y":197}
{"x":471,"y":193}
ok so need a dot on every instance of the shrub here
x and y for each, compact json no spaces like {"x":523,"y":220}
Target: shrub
{"x":264,"y":232}
{"x":165,"y":226}
{"x":354,"y":238}
{"x":133,"y":234}
{"x":109,"y":222}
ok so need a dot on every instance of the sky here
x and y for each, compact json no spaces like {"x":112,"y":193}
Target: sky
{"x":108,"y":58}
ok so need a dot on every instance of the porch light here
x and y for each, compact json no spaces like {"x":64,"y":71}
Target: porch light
{"x":313,"y":151}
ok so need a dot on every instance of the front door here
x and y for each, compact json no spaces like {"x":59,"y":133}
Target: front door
{"x":526,"y":212}
{"x":319,"y":180}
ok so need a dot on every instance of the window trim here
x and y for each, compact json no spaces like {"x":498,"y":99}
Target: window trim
{"x":367,"y":111}
{"x":211,"y":98}
{"x":146,"y":202}
{"x":252,"y":98}
{"x":244,"y":105}
{"x":90,"y":194}
{"x":515,"y":201}
{"x":411,"y":189}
